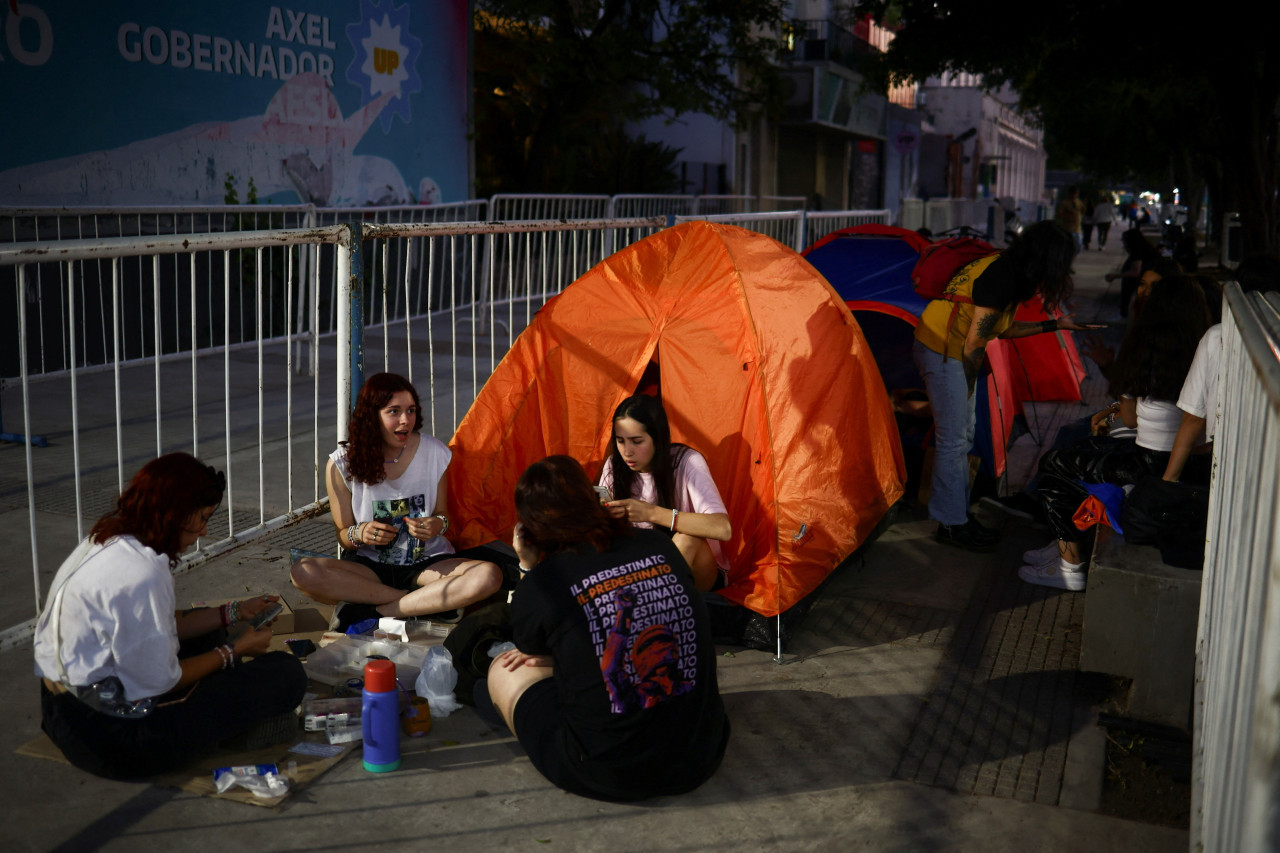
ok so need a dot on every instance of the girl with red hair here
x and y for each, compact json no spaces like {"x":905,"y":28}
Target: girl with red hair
{"x":130,"y":686}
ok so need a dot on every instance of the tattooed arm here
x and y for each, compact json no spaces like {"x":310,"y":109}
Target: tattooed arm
{"x":1023,"y":328}
{"x":981,"y":331}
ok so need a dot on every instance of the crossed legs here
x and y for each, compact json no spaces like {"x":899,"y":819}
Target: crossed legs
{"x":444,"y":585}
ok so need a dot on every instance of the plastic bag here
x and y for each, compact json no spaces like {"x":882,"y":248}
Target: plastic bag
{"x":262,"y":780}
{"x":436,"y":682}
{"x":498,"y":648}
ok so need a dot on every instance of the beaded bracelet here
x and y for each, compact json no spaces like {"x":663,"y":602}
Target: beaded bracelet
{"x":351,"y":535}
{"x":222,"y":653}
{"x":229,"y":613}
{"x":231,"y":655}
{"x":444,"y":519}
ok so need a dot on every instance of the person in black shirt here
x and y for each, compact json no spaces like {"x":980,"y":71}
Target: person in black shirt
{"x":611,"y":688}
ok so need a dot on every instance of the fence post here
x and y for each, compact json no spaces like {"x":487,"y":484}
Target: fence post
{"x":802,"y":231}
{"x":350,"y":337}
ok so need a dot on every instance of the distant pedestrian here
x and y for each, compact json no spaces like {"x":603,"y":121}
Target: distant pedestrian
{"x":1086,"y":222}
{"x":1103,"y":214}
{"x":1070,"y":213}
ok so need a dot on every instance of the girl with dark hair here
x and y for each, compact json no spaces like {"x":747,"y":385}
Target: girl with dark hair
{"x":387,"y":495}
{"x":611,"y":688}
{"x":950,"y":346}
{"x":666,"y":486}
{"x":1148,"y":375}
{"x":130,"y":686}
{"x":1139,"y":257}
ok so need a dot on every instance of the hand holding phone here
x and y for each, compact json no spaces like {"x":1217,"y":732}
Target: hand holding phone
{"x":267,"y":615}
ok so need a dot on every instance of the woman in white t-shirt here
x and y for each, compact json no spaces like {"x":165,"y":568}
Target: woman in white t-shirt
{"x":668,"y":486}
{"x":387,"y":495}
{"x":1148,"y":374}
{"x":130,"y":686}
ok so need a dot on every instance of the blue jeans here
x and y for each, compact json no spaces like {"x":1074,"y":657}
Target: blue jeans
{"x":953,"y":420}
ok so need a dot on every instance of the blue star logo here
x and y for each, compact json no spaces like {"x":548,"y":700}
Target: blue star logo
{"x":386,"y":58}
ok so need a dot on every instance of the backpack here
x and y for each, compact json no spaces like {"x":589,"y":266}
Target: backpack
{"x":939,"y":263}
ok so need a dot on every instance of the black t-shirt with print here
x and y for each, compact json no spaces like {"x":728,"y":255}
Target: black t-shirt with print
{"x":635,"y":665}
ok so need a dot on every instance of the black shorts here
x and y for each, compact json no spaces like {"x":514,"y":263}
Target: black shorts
{"x":557,"y":754}
{"x":406,"y":577}
{"x":539,"y":728}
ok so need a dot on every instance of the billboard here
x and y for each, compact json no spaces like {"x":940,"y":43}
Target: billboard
{"x":330,"y":102}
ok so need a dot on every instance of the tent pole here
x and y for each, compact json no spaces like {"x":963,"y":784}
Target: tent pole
{"x":777,"y":658}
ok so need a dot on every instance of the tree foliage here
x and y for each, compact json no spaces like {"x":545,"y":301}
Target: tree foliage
{"x":556,"y":81}
{"x":1127,"y":88}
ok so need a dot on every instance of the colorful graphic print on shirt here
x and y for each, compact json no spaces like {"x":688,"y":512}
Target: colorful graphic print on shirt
{"x":641,"y":623}
{"x":407,"y":548}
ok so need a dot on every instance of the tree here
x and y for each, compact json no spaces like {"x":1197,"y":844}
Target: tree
{"x":557,"y":78}
{"x":1127,"y":87}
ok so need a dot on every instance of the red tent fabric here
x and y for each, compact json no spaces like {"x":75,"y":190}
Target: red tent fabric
{"x":1045,"y":367}
{"x":763,"y":370}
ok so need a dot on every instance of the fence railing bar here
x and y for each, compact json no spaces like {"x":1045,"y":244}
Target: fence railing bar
{"x":262,"y":409}
{"x":116,"y":284}
{"x":195,"y":379}
{"x":288,"y":377}
{"x":26,"y":432}
{"x":155,"y":348}
{"x":75,"y":408}
{"x":226,"y":389}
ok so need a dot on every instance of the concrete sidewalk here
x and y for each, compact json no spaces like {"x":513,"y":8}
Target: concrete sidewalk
{"x":925,"y":702}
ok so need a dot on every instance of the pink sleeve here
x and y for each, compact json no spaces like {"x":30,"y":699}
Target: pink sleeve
{"x":698,"y":492}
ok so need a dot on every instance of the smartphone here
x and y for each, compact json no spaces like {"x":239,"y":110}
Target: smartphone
{"x":267,"y":615}
{"x":603,"y":494}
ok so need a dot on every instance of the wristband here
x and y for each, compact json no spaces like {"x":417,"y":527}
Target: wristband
{"x":224,"y":613}
{"x":1049,"y":325}
{"x":675,"y":513}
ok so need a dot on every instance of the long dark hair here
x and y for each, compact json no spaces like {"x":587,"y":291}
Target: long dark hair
{"x":1041,"y":260}
{"x":648,"y":412}
{"x":1157,"y":352}
{"x":364,"y":431}
{"x":159,"y":503}
{"x":559,"y":511}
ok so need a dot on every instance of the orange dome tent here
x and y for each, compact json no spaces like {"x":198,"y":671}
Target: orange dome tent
{"x":763,"y":370}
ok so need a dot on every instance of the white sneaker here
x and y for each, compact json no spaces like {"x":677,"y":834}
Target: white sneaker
{"x":1036,"y":556}
{"x":1059,"y":574}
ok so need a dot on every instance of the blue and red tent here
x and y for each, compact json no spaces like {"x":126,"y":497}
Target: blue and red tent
{"x":870,"y":268}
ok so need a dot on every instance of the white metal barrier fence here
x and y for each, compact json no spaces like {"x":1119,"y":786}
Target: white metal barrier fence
{"x":1236,"y":760}
{"x":175,"y":373}
{"x":797,"y":228}
{"x":152,"y":297}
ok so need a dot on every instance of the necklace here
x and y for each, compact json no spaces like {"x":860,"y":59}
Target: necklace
{"x":398,"y":455}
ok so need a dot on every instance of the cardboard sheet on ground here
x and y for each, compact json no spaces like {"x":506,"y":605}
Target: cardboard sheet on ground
{"x":197,"y":778}
{"x":307,"y":623}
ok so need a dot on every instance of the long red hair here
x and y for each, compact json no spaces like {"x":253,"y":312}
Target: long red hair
{"x":160,"y":501}
{"x":559,"y":511}
{"x":364,"y":431}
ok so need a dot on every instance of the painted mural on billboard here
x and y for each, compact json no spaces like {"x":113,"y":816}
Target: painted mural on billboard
{"x":151,"y":102}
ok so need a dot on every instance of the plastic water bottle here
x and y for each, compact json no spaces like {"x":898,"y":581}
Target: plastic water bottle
{"x":380,"y":713}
